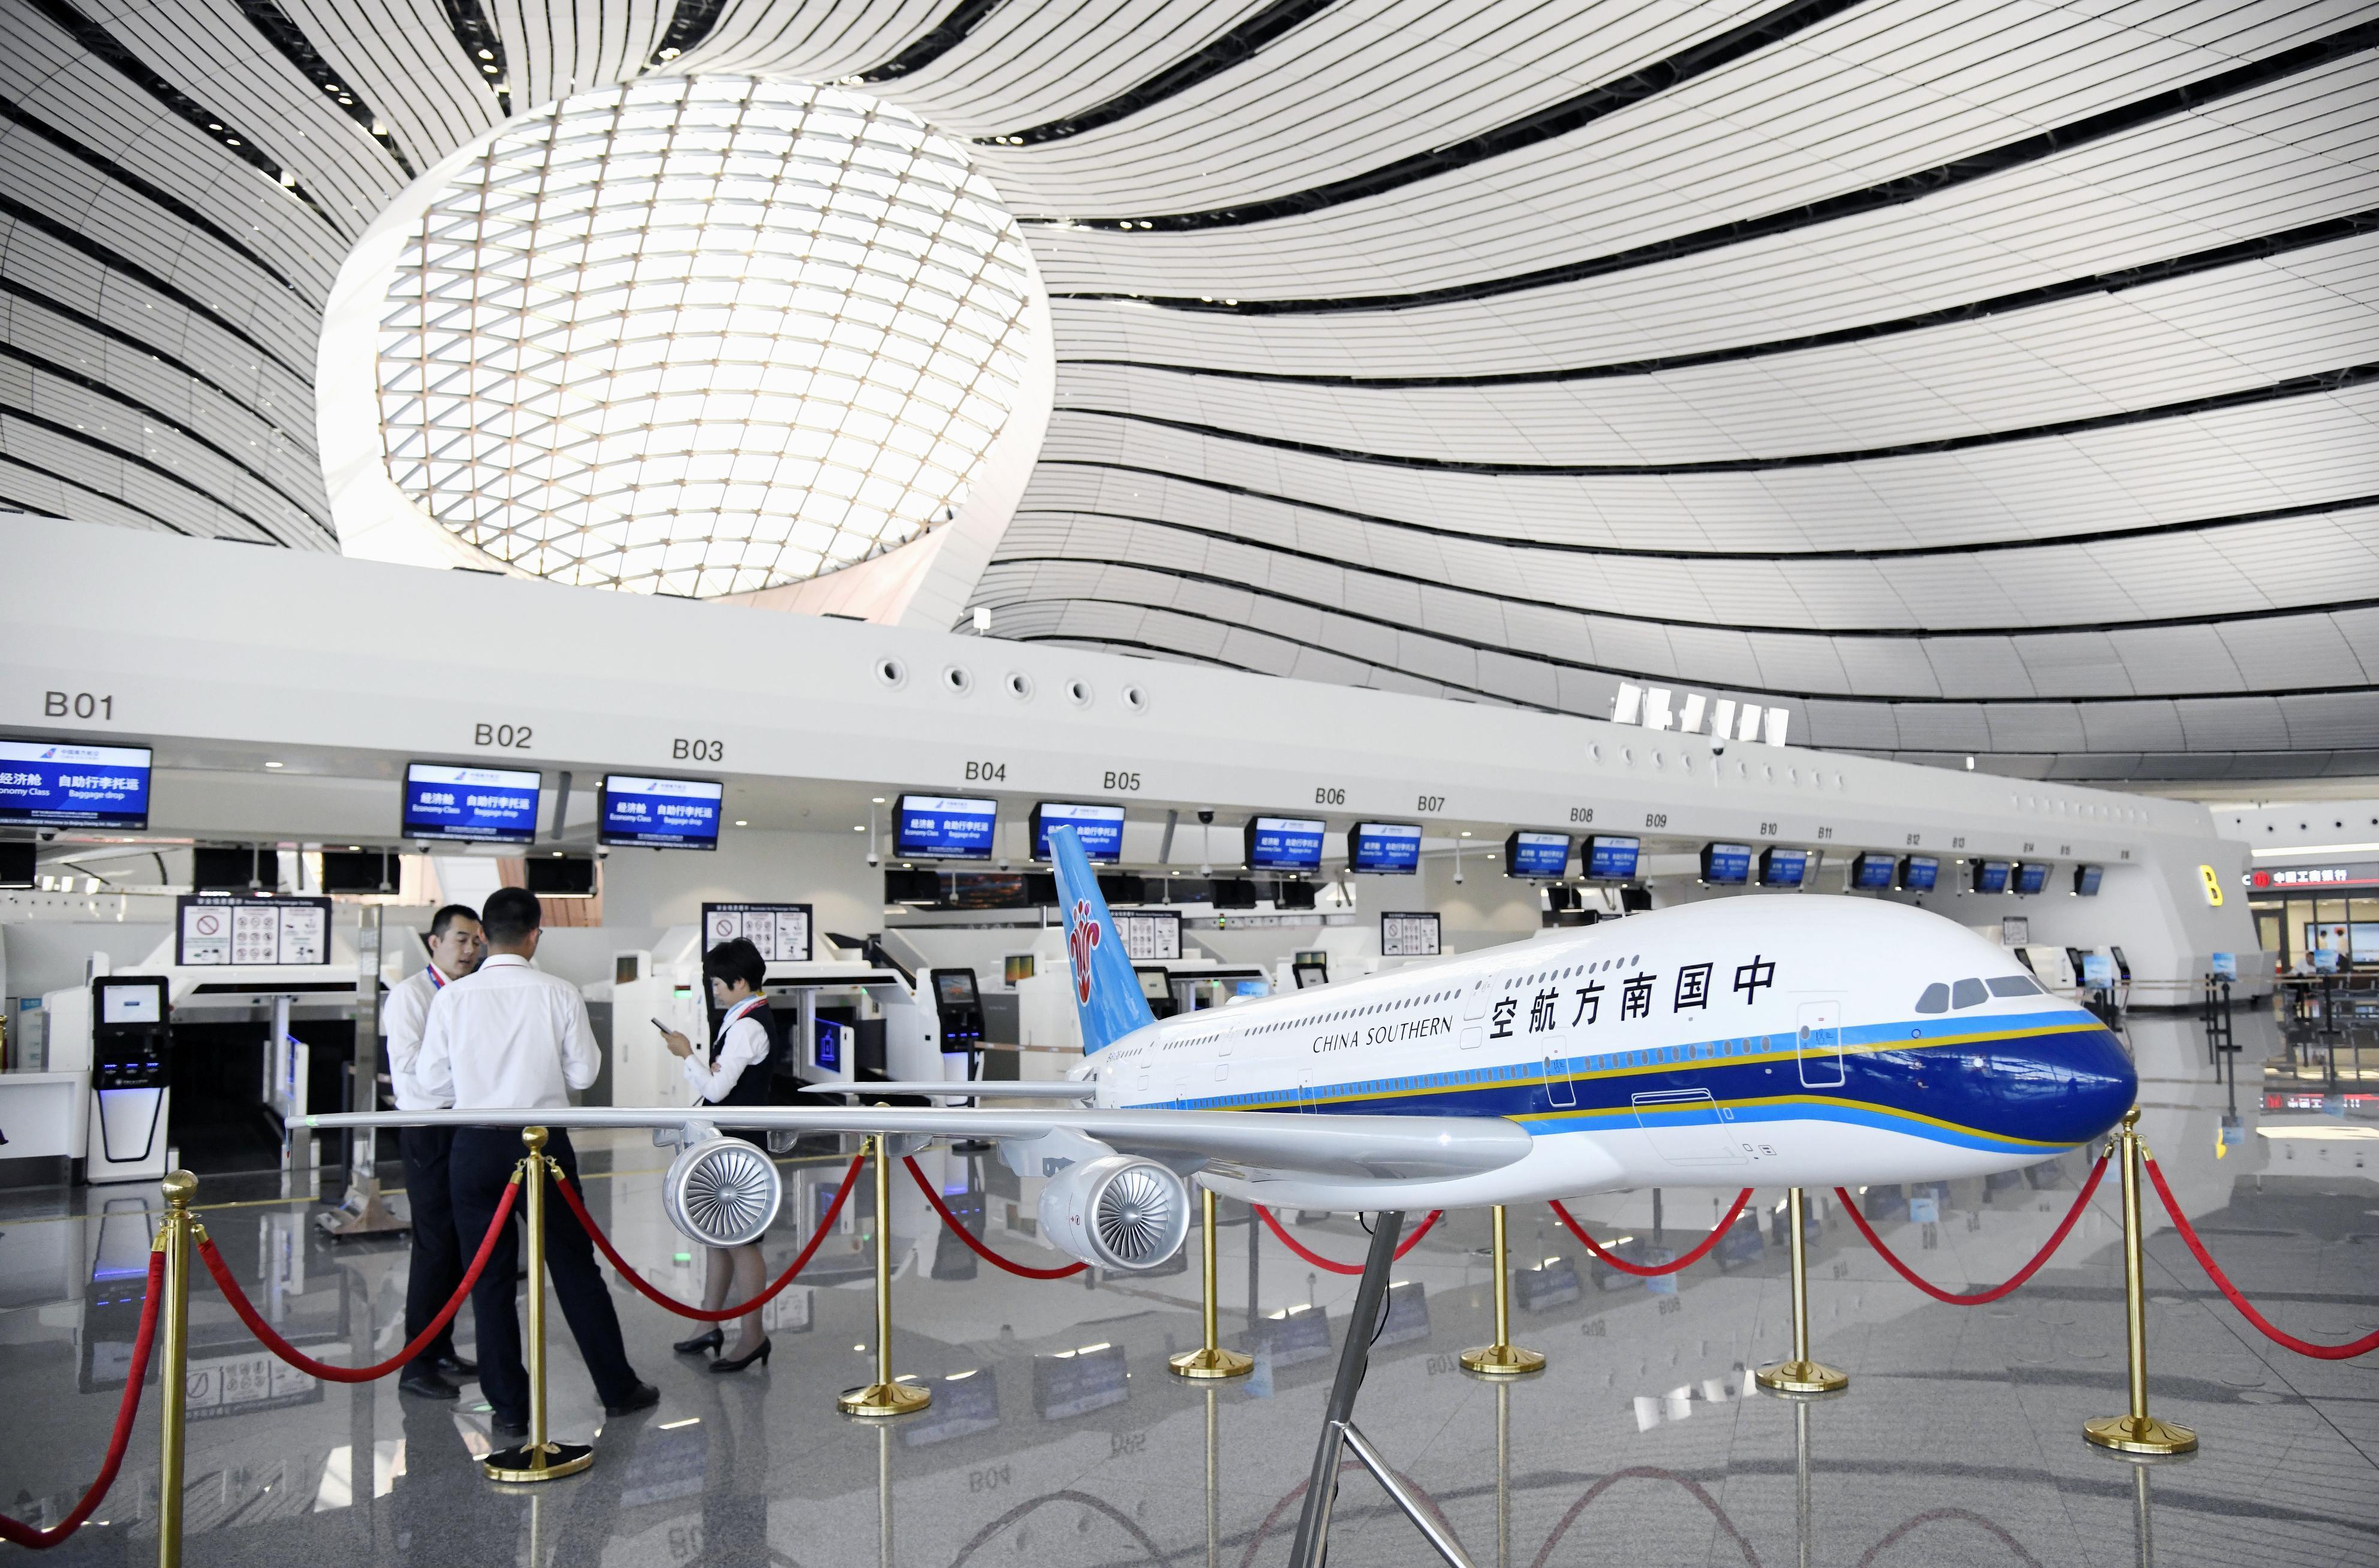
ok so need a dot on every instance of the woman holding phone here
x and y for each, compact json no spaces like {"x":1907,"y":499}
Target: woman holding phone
{"x":733,"y":1072}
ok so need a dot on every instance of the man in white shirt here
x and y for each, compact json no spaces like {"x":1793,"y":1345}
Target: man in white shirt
{"x":455,"y":945}
{"x":512,"y":1037}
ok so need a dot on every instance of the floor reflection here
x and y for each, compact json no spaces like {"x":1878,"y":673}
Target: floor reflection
{"x":1058,"y":1437}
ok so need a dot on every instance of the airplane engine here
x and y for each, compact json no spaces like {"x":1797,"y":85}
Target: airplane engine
{"x":1119,"y":1211}
{"x":722,"y":1192}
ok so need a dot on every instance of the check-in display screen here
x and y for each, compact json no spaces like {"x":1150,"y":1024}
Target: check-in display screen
{"x":1872,"y":874}
{"x":660,"y":814}
{"x":1385,"y":848}
{"x":1726,"y":865}
{"x":1541,"y":856}
{"x":1610,"y":858}
{"x":1100,"y":828}
{"x":2086,"y":879}
{"x":1781,"y":867}
{"x":2031,"y":876}
{"x":944,"y":827}
{"x":1919,"y":874}
{"x":1992,"y":876}
{"x":493,"y":806}
{"x":1286,"y":843}
{"x":47,"y":781}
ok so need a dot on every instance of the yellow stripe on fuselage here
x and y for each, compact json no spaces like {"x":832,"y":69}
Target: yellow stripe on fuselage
{"x":1867,"y":1106}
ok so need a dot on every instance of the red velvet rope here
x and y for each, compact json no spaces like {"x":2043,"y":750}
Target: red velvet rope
{"x":24,"y":1534}
{"x":1319,"y":1262}
{"x":2346,"y":1352}
{"x":226,"y":1283}
{"x":2056,"y":1240}
{"x":703,"y":1314}
{"x":985,"y":1253}
{"x":1645,"y":1271}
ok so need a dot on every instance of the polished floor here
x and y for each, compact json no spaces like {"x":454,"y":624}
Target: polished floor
{"x":1058,"y":1438}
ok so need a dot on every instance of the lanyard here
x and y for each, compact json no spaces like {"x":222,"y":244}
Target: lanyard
{"x":741,"y":1010}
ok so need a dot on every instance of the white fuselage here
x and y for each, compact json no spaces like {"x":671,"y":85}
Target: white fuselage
{"x":1746,"y":1041}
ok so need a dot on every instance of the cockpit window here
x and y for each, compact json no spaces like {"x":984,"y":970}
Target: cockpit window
{"x":1968,"y":994}
{"x":2015,"y":985}
{"x":1935,"y":1000}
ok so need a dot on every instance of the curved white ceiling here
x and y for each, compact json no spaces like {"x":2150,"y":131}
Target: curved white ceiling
{"x":1995,"y":379}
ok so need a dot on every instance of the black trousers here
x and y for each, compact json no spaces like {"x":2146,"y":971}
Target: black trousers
{"x":438,"y":1251}
{"x":481,"y":1163}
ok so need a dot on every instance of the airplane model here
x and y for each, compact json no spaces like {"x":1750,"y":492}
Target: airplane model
{"x":1732,"y":1042}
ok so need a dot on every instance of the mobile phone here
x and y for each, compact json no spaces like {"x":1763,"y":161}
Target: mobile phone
{"x":659,"y":1025}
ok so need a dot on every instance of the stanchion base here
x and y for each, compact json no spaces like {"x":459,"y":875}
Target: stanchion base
{"x":1211,"y":1362}
{"x":1503,"y":1361}
{"x":1802,"y":1377}
{"x":532,"y":1462}
{"x":884,"y":1399}
{"x":2144,"y":1434}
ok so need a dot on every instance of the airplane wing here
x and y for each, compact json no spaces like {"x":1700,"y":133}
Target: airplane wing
{"x":1383,"y":1148}
{"x":999,"y":1089}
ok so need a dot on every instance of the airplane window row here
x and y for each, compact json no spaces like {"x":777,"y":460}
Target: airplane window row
{"x":1551,"y":974}
{"x":1940,"y":998}
{"x":1355,"y":1012}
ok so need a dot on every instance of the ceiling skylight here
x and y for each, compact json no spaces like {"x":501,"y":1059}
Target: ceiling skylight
{"x":702,"y":336}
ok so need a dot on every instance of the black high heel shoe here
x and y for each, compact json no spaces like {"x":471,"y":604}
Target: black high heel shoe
{"x":710,"y":1339}
{"x":736,"y":1364}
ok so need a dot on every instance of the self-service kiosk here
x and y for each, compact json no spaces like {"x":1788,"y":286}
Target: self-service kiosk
{"x":957,"y":1019}
{"x":131,"y":1054}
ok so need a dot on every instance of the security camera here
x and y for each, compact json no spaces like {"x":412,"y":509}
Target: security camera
{"x":1718,"y":748}
{"x":1206,"y":816}
{"x":1003,"y":863}
{"x":873,"y":858}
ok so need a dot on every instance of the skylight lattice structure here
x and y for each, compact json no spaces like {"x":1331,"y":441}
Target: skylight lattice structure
{"x":702,"y":336}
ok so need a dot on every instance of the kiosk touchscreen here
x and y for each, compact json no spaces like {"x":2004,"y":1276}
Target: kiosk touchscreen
{"x":131,"y":1068}
{"x":56,"y":783}
{"x":659,"y":814}
{"x":958,"y":1008}
{"x":1918,"y":873}
{"x":1726,"y":865}
{"x":487,"y":805}
{"x":944,"y":827}
{"x":1384,"y":848}
{"x":1607,"y":858}
{"x":1872,"y":873}
{"x":1099,"y":829}
{"x":1156,"y":984}
{"x":1311,"y":970}
{"x":1543,"y":857}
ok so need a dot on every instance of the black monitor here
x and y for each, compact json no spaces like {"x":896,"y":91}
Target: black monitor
{"x":1919,"y":874}
{"x":956,"y":988}
{"x":560,"y":876}
{"x":1872,"y":873}
{"x":360,"y":871}
{"x":17,"y":863}
{"x":1156,"y":984}
{"x":1992,"y":876}
{"x":1310,"y":974}
{"x":1292,"y":895}
{"x":2086,"y":879}
{"x":2031,"y":877}
{"x":230,"y":871}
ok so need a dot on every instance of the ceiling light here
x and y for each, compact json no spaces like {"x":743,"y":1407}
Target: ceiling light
{"x":272,"y":764}
{"x":740,"y":823}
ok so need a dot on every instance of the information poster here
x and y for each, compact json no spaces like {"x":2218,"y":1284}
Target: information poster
{"x":211,"y":929}
{"x":1408,"y":936}
{"x":781,"y":932}
{"x":1150,"y":936}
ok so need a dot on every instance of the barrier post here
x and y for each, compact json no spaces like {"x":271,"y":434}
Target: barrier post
{"x":539,"y":1459}
{"x":172,"y":1371}
{"x":1800,"y":1375}
{"x":1503,"y":1358}
{"x":883,"y":1398}
{"x":2137,"y":1432}
{"x":1210,"y":1359}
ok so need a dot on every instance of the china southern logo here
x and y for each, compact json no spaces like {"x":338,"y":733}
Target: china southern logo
{"x":1083,"y":938}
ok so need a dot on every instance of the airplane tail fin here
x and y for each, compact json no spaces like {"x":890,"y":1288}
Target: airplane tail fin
{"x":1107,"y":992}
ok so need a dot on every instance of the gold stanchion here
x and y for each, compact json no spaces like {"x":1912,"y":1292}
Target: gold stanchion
{"x":1214,"y":1482}
{"x":172,"y":1369}
{"x":1210,"y":1360}
{"x":1800,"y":1375}
{"x":884,"y":1397}
{"x":1503,"y":1358}
{"x":538,"y":1459}
{"x":2138,"y":1432}
{"x":1503,"y":1474}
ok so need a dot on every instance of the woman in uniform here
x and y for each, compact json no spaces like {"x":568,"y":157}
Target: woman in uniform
{"x":735,"y":1072}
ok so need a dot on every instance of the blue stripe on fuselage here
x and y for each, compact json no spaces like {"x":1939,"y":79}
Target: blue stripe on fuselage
{"x":2011,"y":1081}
